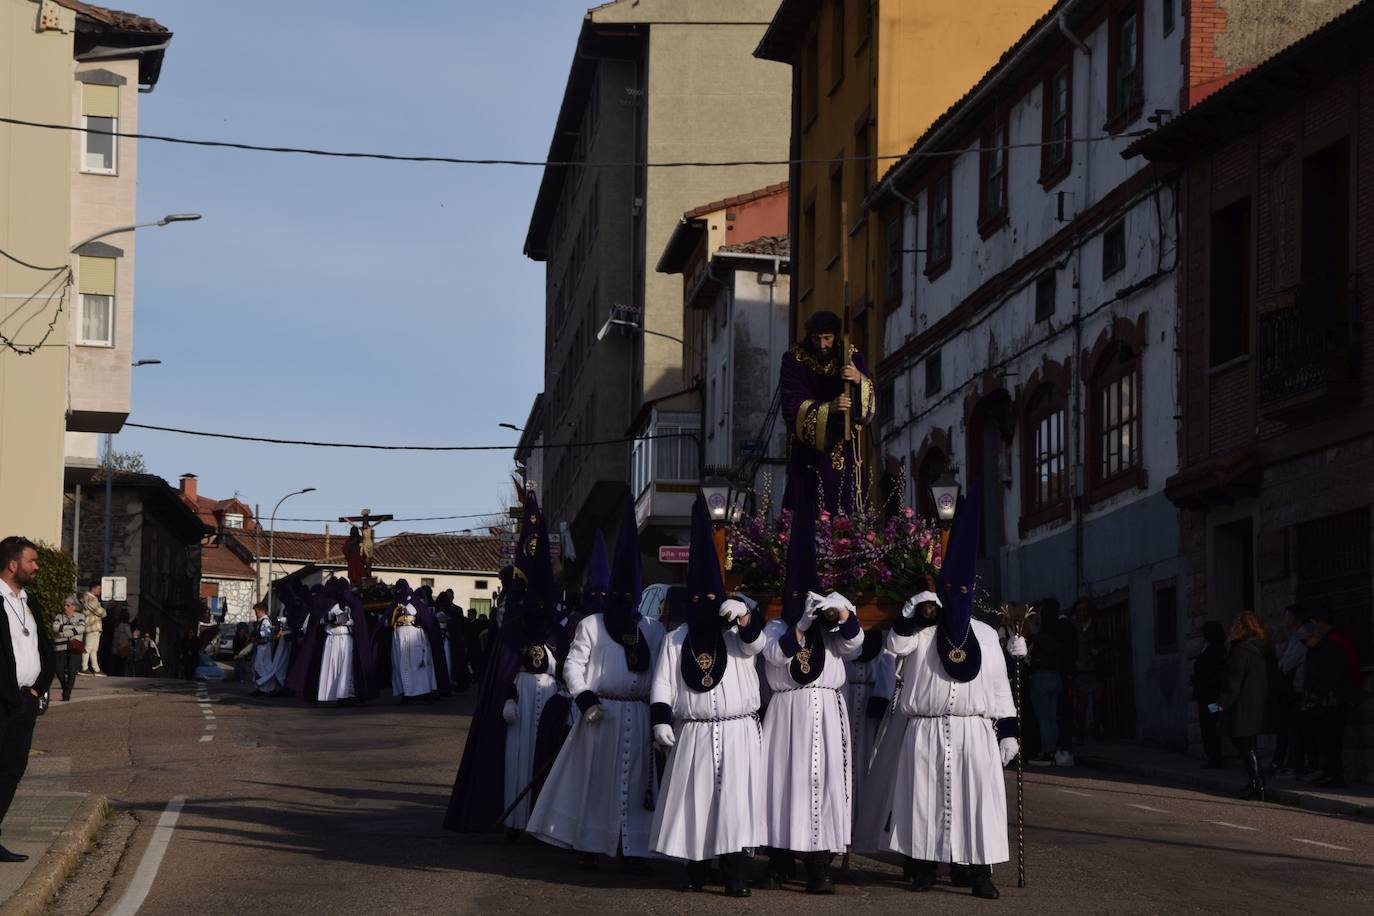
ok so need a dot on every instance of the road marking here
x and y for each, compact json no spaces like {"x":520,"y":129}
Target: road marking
{"x":1072,"y":792}
{"x":210,"y":728}
{"x":1322,"y":845}
{"x":143,"y":879}
{"x":1231,"y":825}
{"x":1147,"y":808}
{"x":204,"y":738}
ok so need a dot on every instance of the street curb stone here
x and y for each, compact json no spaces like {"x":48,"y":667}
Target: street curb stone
{"x":58,"y":862}
{"x":1294,"y":798}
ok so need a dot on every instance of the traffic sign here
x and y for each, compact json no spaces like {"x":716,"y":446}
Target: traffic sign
{"x":673,"y":554}
{"x":114,"y":588}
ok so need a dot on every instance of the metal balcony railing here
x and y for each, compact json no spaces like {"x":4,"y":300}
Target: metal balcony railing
{"x":1299,"y":344}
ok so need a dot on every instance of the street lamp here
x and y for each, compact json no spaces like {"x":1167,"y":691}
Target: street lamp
{"x":510,"y":426}
{"x":166,"y":220}
{"x":944,"y":495}
{"x":272,"y":533}
{"x":109,"y":478}
{"x":620,"y":322}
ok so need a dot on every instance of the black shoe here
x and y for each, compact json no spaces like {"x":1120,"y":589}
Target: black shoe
{"x":737,"y":890}
{"x":769,"y":882}
{"x":7,"y":856}
{"x":821,"y":885}
{"x":635,"y":866}
{"x":959,"y":876}
{"x":983,"y":887}
{"x":691,"y":887}
{"x":922,"y":875}
{"x":589,"y":862}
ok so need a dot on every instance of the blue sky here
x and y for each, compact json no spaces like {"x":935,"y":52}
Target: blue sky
{"x":337,"y":299}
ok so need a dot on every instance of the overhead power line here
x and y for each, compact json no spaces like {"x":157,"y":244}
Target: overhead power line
{"x":267,"y":440}
{"x":543,"y":163}
{"x":429,"y":518}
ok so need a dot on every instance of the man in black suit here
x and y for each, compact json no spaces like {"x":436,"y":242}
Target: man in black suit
{"x":26,"y":668}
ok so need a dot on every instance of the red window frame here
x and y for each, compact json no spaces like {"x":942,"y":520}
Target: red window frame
{"x":940,"y":190}
{"x":993,"y":184}
{"x":1053,"y":170}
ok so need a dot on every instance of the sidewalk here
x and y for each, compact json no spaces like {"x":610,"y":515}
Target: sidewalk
{"x":1180,"y":769}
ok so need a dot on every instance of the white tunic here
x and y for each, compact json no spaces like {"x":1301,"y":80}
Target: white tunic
{"x":713,"y":798}
{"x":808,"y":748}
{"x":412,"y":664}
{"x":270,"y":658}
{"x":863,"y":681}
{"x":947,"y":798}
{"x":336,"y":664}
{"x":532,"y":691}
{"x":594,"y":799}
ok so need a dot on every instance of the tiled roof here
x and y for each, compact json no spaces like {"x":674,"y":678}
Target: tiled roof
{"x":300,"y":546}
{"x":439,"y":552}
{"x":116,"y":19}
{"x":768,"y":245}
{"x":219,"y":562}
{"x":737,"y":200}
{"x":208,"y":509}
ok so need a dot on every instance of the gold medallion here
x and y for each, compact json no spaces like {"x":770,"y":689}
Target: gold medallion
{"x":705,"y":660}
{"x":707,"y":680}
{"x":804,"y":660}
{"x":537,"y":656}
{"x":957,"y":655}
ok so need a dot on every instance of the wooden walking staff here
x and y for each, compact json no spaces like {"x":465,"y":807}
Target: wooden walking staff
{"x":850,"y":388}
{"x":1015,"y":617}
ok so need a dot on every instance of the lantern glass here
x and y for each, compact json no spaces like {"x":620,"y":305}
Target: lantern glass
{"x":944,"y":494}
{"x":717,"y":496}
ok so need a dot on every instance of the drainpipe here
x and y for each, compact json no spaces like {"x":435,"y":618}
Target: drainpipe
{"x":1076,"y":375}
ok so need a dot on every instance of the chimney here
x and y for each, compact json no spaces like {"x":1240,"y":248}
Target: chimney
{"x":188,"y":486}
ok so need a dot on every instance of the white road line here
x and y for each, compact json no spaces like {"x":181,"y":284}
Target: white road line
{"x":143,"y":879}
{"x":1072,"y":792}
{"x":1322,"y":845}
{"x":210,"y":728}
{"x":1147,"y":808}
{"x":1231,"y":825}
{"x":204,"y":738}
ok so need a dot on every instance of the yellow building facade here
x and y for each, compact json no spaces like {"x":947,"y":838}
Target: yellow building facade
{"x":868,"y":78}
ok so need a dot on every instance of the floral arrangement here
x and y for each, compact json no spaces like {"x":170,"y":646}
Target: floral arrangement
{"x":869,"y":553}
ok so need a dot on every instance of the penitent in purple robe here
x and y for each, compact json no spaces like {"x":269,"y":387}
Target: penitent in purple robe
{"x":821,"y":466}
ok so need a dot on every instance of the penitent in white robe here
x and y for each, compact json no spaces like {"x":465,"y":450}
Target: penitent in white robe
{"x":595,"y":796}
{"x":863,"y":681}
{"x":713,"y":798}
{"x":336,"y":663}
{"x":412,"y":664}
{"x":808,"y":748}
{"x":532,"y":691}
{"x":946,"y":799}
{"x":270,"y":658}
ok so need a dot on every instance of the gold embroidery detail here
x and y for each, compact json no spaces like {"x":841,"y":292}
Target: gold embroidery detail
{"x":804,"y":660}
{"x":837,"y":457}
{"x":866,"y":398}
{"x":808,"y":359}
{"x":537,"y":655}
{"x":705,"y":660}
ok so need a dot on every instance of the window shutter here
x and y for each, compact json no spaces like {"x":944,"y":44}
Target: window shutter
{"x":100,"y":101}
{"x":98,"y":276}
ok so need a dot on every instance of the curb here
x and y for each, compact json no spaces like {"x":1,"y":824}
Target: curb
{"x":58,"y":862}
{"x":1293,"y":798}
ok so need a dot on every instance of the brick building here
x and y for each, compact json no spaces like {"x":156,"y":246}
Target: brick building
{"x":1276,"y":474}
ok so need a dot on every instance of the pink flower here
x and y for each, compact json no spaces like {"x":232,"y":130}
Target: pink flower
{"x":908,"y":512}
{"x":824,"y":516}
{"x":870,"y":537}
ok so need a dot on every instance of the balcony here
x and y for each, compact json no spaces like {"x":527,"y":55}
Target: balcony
{"x":1309,"y":349}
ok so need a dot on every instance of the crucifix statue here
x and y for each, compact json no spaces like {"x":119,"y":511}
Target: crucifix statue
{"x":361,"y":543}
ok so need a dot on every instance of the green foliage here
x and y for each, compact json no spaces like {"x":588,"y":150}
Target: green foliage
{"x":56,"y":573}
{"x":132,"y":462}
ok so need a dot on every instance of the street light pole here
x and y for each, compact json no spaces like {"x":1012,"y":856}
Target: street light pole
{"x":272,"y":536}
{"x":166,"y":220}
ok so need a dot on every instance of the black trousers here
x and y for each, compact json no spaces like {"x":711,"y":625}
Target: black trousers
{"x":1330,"y":728}
{"x":68,"y":664}
{"x":1207,"y":723}
{"x":16,"y":735}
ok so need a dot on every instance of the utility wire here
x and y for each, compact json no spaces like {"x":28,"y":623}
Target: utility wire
{"x":542,"y":163}
{"x":402,"y":448}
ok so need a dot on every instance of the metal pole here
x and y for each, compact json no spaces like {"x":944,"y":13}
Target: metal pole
{"x":76,"y":537}
{"x":109,"y":501}
{"x":1020,"y":790}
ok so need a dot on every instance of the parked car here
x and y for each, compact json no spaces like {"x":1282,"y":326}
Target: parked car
{"x":224,"y":641}
{"x":657,"y":601}
{"x":208,"y":670}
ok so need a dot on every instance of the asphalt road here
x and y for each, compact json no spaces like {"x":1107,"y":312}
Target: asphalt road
{"x":287,"y":808}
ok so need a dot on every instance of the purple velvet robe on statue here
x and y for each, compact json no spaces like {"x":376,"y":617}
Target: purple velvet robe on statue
{"x":819,"y":457}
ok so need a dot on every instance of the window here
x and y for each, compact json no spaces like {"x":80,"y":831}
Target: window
{"x":838,"y":233}
{"x":837,"y":16}
{"x":808,"y":247}
{"x":1045,"y":479}
{"x":1056,"y":154}
{"x":892,"y":266}
{"x":1125,"y":86}
{"x":426,"y":581}
{"x":1167,"y":7}
{"x":1044,"y":296}
{"x":938,"y":226}
{"x":1229,"y":312}
{"x":481,"y":585}
{"x":1113,"y":249}
{"x":97,"y":302}
{"x":233,"y":519}
{"x":1166,"y":618}
{"x":100,"y":112}
{"x":992,"y":210}
{"x":934,"y":374}
{"x":480,"y":606}
{"x":811,"y":81}
{"x":1115,"y":419}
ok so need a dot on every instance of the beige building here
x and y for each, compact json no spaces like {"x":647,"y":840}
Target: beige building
{"x":651,"y":81}
{"x":67,"y":316}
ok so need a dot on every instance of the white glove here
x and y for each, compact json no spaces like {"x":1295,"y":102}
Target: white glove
{"x":836,"y":605}
{"x":732,"y":610}
{"x":813,"y":606}
{"x":750,"y":603}
{"x":663,"y":736}
{"x":595,"y":714}
{"x":1010,"y":747}
{"x":1016,"y":647}
{"x":510,"y":712}
{"x":909,"y":609}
